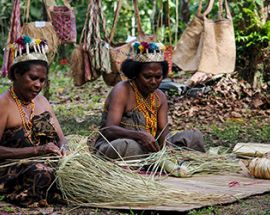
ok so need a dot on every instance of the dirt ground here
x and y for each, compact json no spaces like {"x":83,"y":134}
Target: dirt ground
{"x":201,"y":113}
{"x":255,"y":205}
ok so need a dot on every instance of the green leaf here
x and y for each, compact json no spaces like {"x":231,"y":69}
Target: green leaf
{"x":259,"y":2}
{"x":2,"y":197}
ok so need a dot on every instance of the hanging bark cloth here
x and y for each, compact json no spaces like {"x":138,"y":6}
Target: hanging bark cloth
{"x":14,"y":33}
{"x":96,"y":46}
{"x":80,"y":62}
{"x":91,"y":57}
{"x":100,"y":56}
{"x":120,"y":52}
{"x":206,"y":45}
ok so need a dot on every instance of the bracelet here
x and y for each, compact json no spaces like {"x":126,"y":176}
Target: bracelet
{"x":63,"y":147}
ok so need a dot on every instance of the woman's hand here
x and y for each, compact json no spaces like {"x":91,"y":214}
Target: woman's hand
{"x":148,"y":141}
{"x":50,"y":148}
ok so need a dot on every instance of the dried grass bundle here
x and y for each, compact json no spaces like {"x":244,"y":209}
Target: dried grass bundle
{"x":44,"y":159}
{"x":205,"y":163}
{"x":90,"y":181}
{"x":86,"y":180}
{"x":246,"y":150}
{"x":185,"y":163}
{"x":45,"y":32}
{"x":260,"y":168}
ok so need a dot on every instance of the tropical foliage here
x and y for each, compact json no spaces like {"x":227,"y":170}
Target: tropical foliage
{"x":252,"y":31}
{"x":167,"y":19}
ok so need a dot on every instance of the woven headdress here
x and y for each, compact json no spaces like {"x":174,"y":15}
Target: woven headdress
{"x":148,"y":52}
{"x":26,"y":48}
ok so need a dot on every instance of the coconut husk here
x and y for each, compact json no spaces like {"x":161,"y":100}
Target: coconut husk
{"x":47,"y":32}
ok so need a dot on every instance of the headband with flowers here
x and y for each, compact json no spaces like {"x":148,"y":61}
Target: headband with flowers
{"x":26,"y":48}
{"x":148,"y":52}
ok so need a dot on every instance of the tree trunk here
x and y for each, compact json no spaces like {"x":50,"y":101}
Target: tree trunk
{"x":184,"y":11}
{"x":266,"y":66}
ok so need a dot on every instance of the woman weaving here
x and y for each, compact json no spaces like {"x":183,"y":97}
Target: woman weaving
{"x":135,"y":118}
{"x":28,"y":126}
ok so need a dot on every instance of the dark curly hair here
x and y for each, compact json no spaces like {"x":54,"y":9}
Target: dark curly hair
{"x":25,"y":66}
{"x":132,"y":68}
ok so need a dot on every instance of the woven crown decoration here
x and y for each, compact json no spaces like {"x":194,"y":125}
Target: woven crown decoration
{"x":26,"y":48}
{"x":148,"y":52}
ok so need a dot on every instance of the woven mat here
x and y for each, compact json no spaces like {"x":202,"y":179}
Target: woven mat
{"x":236,"y":186}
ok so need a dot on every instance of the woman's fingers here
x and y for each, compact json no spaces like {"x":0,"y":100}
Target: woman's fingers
{"x":153,"y":147}
{"x":157,"y":146}
{"x":63,"y":152}
{"x":149,"y":142}
{"x":52,"y":148}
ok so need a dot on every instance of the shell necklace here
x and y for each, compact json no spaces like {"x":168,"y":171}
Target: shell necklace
{"x":26,"y":122}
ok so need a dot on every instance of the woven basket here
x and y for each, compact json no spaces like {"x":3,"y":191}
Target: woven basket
{"x":44,"y":32}
{"x":64,"y":22}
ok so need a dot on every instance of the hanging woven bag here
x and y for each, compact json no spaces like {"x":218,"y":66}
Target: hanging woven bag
{"x":64,"y":22}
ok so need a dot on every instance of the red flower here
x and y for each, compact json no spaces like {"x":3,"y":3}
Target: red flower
{"x":63,"y":61}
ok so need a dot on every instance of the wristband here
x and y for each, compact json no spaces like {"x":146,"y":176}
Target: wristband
{"x":63,"y":147}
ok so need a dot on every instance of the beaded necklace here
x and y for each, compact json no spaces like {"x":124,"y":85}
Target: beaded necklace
{"x":149,"y":109}
{"x":26,"y":122}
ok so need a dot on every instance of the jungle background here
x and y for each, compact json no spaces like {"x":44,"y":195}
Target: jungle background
{"x":236,"y":109}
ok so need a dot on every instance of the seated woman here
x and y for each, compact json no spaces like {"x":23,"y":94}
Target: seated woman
{"x":28,"y":126}
{"x":135,"y":119}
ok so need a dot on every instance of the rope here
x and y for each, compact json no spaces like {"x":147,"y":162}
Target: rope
{"x":115,"y":20}
{"x":176,"y":21}
{"x":15,"y":29}
{"x":169,"y":22}
{"x":138,"y":18}
{"x":27,"y":10}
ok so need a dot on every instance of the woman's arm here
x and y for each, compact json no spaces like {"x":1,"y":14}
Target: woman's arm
{"x":117,"y":102}
{"x":10,"y":153}
{"x":26,"y":152}
{"x":163,"y":128}
{"x":62,"y":140}
{"x":62,"y":143}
